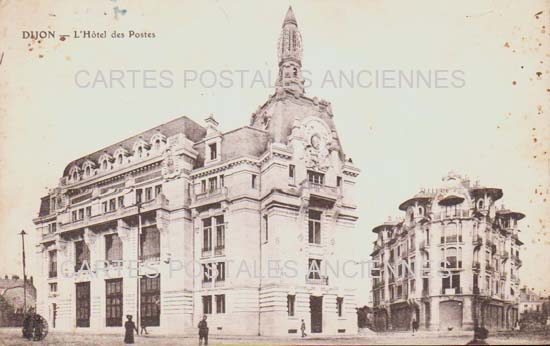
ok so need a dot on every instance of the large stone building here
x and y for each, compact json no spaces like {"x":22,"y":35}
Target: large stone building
{"x":233,"y":222}
{"x":451,"y":263}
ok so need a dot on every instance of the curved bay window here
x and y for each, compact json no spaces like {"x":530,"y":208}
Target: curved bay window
{"x":451,"y":233}
{"x":451,"y":258}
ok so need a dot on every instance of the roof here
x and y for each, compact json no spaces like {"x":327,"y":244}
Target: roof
{"x":417,"y":198}
{"x":495,"y":193}
{"x":513,"y":214}
{"x":191,"y":129}
{"x":290,"y":18}
{"x":243,"y":141}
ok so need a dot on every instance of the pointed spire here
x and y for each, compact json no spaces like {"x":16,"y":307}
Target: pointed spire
{"x":290,"y":18}
{"x":290,"y":55}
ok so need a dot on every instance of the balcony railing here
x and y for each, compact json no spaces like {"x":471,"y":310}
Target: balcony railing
{"x":52,"y":274}
{"x":476,"y":266}
{"x":322,"y":280}
{"x":489,"y":268}
{"x":321,"y":190}
{"x":151,"y":257}
{"x":449,"y":291}
{"x":455,"y":214}
{"x":206,"y":252}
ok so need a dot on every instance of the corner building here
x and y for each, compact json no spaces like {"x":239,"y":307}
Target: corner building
{"x":452,"y":262}
{"x":246,"y":213}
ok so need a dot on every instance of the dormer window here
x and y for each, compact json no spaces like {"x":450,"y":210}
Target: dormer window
{"x":75,"y":176}
{"x":88,"y":171}
{"x":119,"y":159}
{"x":213,"y":151}
{"x":104,"y":165}
{"x":140,"y":152}
{"x":157,"y":144}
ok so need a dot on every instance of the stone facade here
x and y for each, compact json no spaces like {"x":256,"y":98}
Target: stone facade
{"x":451,"y":263}
{"x":232,"y":222}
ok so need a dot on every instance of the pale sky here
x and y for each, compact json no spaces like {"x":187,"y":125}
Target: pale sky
{"x":401,"y":138}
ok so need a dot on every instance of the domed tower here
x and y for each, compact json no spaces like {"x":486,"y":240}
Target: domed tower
{"x":290,"y":55}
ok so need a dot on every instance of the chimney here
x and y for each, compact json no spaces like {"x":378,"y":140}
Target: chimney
{"x":211,"y":124}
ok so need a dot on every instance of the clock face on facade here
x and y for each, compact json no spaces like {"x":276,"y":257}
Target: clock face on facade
{"x":315,"y":141}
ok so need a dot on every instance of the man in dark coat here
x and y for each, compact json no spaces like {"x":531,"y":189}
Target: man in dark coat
{"x":129,"y":326}
{"x":203,"y":331}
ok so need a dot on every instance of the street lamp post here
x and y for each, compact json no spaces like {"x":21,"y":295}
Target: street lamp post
{"x":22,"y":233}
{"x":138,"y":242}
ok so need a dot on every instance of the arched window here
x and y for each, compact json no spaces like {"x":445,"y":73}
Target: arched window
{"x":480,"y":204}
{"x":157,"y":144}
{"x":88,"y":171}
{"x":119,"y":159}
{"x":75,"y":176}
{"x":104,"y":164}
{"x":420,"y":211}
{"x":140,"y":152}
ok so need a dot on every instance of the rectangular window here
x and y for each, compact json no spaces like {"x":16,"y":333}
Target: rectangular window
{"x":139,"y":195}
{"x":52,"y":272}
{"x":254,"y":178}
{"x":150,"y":243}
{"x":74,"y":216}
{"x":53,"y":287}
{"x":206,"y":305}
{"x":207,"y":272}
{"x":203,"y":186}
{"x":220,"y":233}
{"x":316,"y":177}
{"x":148,"y":193}
{"x":158,"y":190}
{"x":220,"y":268}
{"x":207,"y":234}
{"x":220,"y":303}
{"x":292,"y":174}
{"x":83,"y":304}
{"x":113,"y":248}
{"x":104,"y":207}
{"x":150,"y":301}
{"x":213,"y":151}
{"x":82,"y":255}
{"x":314,"y":227}
{"x":121,"y":201}
{"x":113,"y":303}
{"x":81,"y":214}
{"x":88,"y":211}
{"x":290,"y":301}
{"x":452,"y":281}
{"x":213,"y":184}
{"x":314,"y":268}
{"x":222,"y":181}
{"x":339,"y":306}
{"x":112,"y":204}
{"x":338,"y":181}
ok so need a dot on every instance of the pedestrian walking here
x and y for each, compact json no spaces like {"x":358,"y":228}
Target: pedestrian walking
{"x":203,"y":331}
{"x":414,"y":324}
{"x":129,"y":326}
{"x":303,"y":329}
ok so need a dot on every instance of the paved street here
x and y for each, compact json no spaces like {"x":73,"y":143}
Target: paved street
{"x":12,"y":337}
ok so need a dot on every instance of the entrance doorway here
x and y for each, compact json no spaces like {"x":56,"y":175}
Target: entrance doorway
{"x":316,"y":307}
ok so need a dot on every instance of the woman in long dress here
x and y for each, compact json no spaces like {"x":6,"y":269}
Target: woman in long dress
{"x":130,"y":326}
